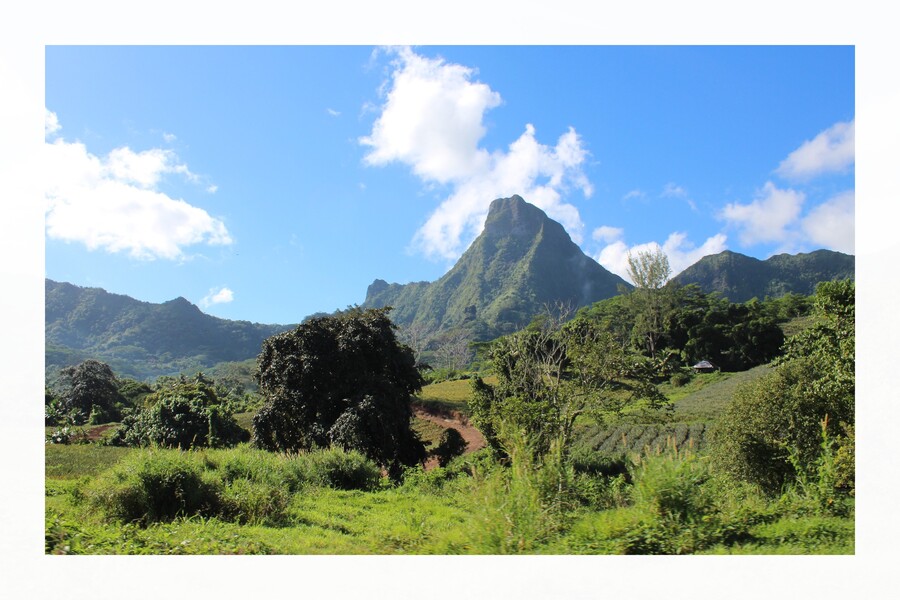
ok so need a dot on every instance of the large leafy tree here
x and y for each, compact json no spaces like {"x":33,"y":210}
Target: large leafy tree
{"x":91,"y":390}
{"x":342,"y":380}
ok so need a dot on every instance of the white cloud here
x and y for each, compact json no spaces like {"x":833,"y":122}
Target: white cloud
{"x":51,"y":122}
{"x":832,"y":223}
{"x":217,"y":296}
{"x":144,"y":169}
{"x":212,"y":189}
{"x":608,"y":234}
{"x":634,"y":194}
{"x":833,"y":150}
{"x":332,"y":112}
{"x":432,"y":120}
{"x":169,"y":137}
{"x":679,"y":250}
{"x":111,"y":203}
{"x":767,"y":218}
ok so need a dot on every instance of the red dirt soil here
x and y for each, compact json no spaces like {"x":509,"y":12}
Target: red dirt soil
{"x":448,"y":419}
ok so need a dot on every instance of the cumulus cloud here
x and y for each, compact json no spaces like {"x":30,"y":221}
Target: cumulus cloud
{"x":221,"y":295}
{"x":768,"y":218}
{"x":833,"y":150}
{"x":680,"y":251}
{"x":432,"y":121}
{"x":112,"y":203}
{"x":832,"y":223}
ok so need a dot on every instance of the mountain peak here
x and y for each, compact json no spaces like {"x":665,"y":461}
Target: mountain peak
{"x":522,"y":261}
{"x":513,"y":217}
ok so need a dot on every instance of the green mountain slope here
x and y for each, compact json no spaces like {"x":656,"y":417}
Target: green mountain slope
{"x":740,"y":278}
{"x":520,"y":262}
{"x":141,"y":339}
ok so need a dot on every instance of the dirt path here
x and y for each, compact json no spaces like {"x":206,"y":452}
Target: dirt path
{"x":448,"y":419}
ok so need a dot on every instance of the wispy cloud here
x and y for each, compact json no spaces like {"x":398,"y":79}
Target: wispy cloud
{"x":169,"y":137}
{"x":432,"y":121}
{"x":332,"y":112}
{"x":832,"y":150}
{"x":221,"y":295}
{"x":673,"y":190}
{"x":111,"y":203}
{"x":634,"y":195}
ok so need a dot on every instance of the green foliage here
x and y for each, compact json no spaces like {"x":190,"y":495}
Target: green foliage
{"x":651,"y":301}
{"x":343,"y":380}
{"x":450,"y":446}
{"x":181,"y":414}
{"x":91,"y":388}
{"x":547,"y":378}
{"x":772,"y":432}
{"x":338,"y":469}
{"x":156,"y":486}
{"x":241,"y":485}
{"x":735,"y":337}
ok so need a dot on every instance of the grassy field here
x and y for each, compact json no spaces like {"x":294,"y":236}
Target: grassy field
{"x":445,"y":511}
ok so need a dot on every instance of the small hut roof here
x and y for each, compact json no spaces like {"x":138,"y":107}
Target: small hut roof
{"x":704,"y":364}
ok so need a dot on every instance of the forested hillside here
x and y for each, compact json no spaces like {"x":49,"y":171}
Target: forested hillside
{"x":142,"y":339}
{"x":740,"y":278}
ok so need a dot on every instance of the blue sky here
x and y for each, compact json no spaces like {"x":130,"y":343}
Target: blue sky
{"x":268,"y":183}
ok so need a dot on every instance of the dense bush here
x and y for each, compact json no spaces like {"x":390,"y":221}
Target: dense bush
{"x":183,"y":415}
{"x":157,"y":486}
{"x":242,"y":484}
{"x":772,"y":434}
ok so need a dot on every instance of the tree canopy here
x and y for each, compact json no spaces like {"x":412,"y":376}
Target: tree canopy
{"x":342,"y":380}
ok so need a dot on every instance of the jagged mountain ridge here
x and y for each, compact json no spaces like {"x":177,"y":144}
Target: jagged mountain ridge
{"x":740,"y":278}
{"x":521,"y":261}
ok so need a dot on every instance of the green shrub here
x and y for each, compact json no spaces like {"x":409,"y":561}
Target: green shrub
{"x":773,"y":426}
{"x":336,"y":468}
{"x":157,"y":485}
